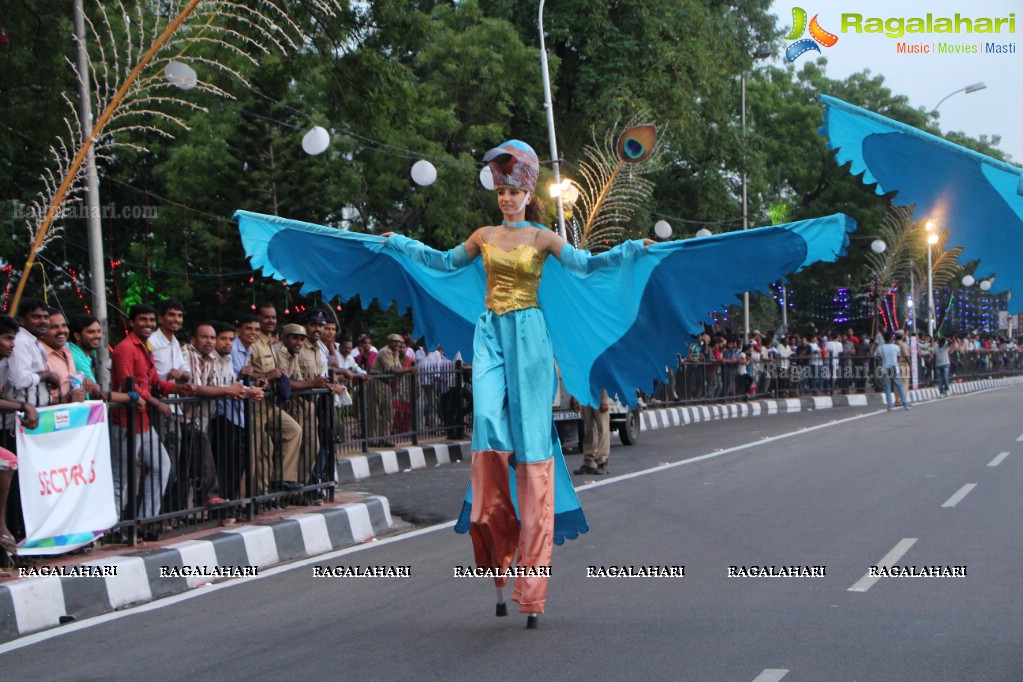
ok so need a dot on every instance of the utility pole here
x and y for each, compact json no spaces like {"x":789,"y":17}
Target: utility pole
{"x":99,"y":280}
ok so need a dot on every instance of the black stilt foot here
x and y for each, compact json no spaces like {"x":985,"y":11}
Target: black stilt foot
{"x":502,"y":609}
{"x":533,"y":621}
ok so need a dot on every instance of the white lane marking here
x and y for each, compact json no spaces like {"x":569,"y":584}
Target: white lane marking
{"x":1020,"y":437}
{"x":867,"y":581}
{"x":771,"y":675}
{"x":726,"y":451}
{"x":998,"y":460}
{"x":28,"y":640}
{"x":960,"y":494}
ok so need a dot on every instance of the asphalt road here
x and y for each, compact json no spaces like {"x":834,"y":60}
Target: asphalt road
{"x":842,"y":495}
{"x":426,"y":497}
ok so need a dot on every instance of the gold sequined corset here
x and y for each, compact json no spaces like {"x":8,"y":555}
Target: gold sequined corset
{"x":512,"y":277}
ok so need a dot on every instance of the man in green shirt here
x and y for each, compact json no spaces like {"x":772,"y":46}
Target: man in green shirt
{"x":86,"y":336}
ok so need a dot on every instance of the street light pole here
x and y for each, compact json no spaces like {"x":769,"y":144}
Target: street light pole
{"x":932,"y":239}
{"x":549,"y":106}
{"x":912,"y":298}
{"x":761,"y":52}
{"x":968,"y":89}
{"x":745,"y":206}
{"x":784,"y":309}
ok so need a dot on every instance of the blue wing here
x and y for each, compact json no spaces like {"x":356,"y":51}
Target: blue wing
{"x":617,"y":328}
{"x":614,"y":328}
{"x":976,"y":198}
{"x":445,"y":305}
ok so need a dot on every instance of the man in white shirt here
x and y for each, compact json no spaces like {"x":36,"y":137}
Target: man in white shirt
{"x":816,"y":364}
{"x":167,"y":355}
{"x":28,"y":378}
{"x":355,"y":374}
{"x":834,"y":349}
{"x":170,"y":366}
{"x":434,"y":380}
{"x":348,"y":358}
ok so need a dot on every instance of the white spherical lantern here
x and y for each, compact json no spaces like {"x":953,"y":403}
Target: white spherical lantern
{"x":968,"y":281}
{"x":985,"y":285}
{"x":878,"y":246}
{"x":662,"y":229}
{"x":703,"y":232}
{"x":423,"y":173}
{"x":181,"y":75}
{"x":487,"y":178}
{"x":316,"y":141}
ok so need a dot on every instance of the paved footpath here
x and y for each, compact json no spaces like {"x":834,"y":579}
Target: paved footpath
{"x":123,"y":578}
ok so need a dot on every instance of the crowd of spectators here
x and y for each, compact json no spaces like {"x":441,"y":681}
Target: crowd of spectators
{"x":720,"y":366}
{"x":211,"y":413}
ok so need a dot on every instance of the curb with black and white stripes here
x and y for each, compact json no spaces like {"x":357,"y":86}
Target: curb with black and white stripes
{"x":358,"y":467}
{"x":37,"y":603}
{"x":665,"y":417}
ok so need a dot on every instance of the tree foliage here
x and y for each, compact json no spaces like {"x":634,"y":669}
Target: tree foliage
{"x":395,"y":81}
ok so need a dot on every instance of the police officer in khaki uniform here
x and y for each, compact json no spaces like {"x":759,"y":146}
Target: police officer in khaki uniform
{"x":301,"y":362}
{"x":285,"y":433}
{"x":299,"y":356}
{"x":388,"y":363}
{"x":596,"y":436}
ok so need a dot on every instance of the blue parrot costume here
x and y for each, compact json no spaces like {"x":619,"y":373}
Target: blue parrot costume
{"x":615,"y":327}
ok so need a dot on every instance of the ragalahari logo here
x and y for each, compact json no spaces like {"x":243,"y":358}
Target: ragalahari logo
{"x":817,"y":35}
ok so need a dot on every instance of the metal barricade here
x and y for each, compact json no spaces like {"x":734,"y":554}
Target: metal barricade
{"x":407,"y":409}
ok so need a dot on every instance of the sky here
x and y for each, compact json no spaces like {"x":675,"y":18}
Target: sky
{"x":926,"y":78}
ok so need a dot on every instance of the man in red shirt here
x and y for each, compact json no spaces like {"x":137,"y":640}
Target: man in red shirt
{"x":133,"y":358}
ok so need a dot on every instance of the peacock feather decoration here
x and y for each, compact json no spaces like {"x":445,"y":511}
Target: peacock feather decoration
{"x":143,"y":63}
{"x":613,"y":185}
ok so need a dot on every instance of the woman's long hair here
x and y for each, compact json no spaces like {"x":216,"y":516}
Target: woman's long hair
{"x":535,"y":210}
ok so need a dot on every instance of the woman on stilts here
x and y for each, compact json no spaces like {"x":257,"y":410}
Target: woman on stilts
{"x":513,"y":382}
{"x":521,"y":500}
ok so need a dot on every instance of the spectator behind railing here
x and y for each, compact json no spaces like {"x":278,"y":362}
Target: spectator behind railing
{"x":26,"y":414}
{"x":27,"y":365}
{"x":434,"y":380}
{"x":299,"y":359}
{"x":71,"y":385}
{"x":197,"y":457}
{"x":227,"y":429}
{"x":402,"y":387}
{"x":133,"y":360}
{"x":321,"y":333}
{"x":277,"y":437}
{"x":85,"y":338}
